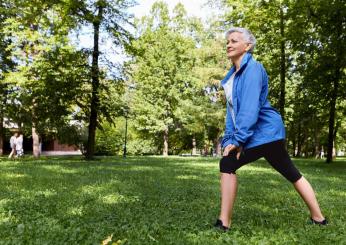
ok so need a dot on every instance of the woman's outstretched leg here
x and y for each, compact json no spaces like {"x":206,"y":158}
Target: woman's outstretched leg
{"x":228,"y":196}
{"x":278,"y":157}
{"x":305,"y":190}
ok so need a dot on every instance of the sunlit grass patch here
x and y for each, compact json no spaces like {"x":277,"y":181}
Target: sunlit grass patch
{"x":60,"y":169}
{"x":187,"y":177}
{"x":12,"y":176}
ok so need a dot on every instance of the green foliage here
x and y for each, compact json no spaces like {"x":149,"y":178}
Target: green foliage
{"x":161,"y":69}
{"x":49,"y":73}
{"x":154,"y":200}
{"x":209,"y":101}
{"x":50,"y":87}
{"x":110,"y":140}
{"x":174,"y":70}
{"x":141,"y":146}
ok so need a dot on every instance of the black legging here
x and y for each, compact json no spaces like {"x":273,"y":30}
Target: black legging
{"x":274,"y":152}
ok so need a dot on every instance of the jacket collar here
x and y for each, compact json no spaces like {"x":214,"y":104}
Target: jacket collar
{"x":247,"y":57}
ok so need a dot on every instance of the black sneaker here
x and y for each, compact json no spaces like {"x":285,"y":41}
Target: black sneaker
{"x":323,"y":222}
{"x":219,"y":225}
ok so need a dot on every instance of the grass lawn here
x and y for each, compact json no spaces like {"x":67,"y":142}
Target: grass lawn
{"x":155,"y":200}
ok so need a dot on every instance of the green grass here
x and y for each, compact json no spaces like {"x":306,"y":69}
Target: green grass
{"x":154,"y":200}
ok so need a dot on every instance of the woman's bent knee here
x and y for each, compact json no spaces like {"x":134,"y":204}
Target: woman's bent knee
{"x":228,"y":164}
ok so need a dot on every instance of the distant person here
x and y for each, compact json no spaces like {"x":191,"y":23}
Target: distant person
{"x":322,"y":153}
{"x":13,"y":145}
{"x":254,"y":129}
{"x":19,"y":145}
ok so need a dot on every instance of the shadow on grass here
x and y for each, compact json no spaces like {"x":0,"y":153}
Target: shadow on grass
{"x":148,"y":200}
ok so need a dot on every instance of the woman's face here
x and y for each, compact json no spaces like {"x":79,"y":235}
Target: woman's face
{"x":236,"y":45}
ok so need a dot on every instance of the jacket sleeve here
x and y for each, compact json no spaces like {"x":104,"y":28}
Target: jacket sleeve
{"x":249,"y":106}
{"x":229,"y":129}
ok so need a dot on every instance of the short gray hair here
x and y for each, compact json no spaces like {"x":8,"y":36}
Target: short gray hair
{"x":248,"y":36}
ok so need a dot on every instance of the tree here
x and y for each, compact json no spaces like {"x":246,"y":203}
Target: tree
{"x":161,"y":70}
{"x":48,"y":73}
{"x":6,"y":65}
{"x":322,"y":52}
{"x":210,"y":68}
{"x":105,"y":17}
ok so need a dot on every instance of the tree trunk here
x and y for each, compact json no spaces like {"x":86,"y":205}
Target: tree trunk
{"x":294,"y":146}
{"x":282,"y":65}
{"x":165,"y":143}
{"x":339,"y":53}
{"x":292,"y":140}
{"x":35,"y":137}
{"x":303,"y":143}
{"x":334,"y":152}
{"x":217,"y":146}
{"x":1,"y":136}
{"x":35,"y":143}
{"x":338,"y":124}
{"x":94,"y":105}
{"x":299,"y":146}
{"x":194,"y":150}
{"x":332,"y":122}
{"x":316,"y":142}
{"x":317,"y":151}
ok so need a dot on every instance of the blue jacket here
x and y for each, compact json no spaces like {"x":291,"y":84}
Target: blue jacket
{"x":256,"y":121}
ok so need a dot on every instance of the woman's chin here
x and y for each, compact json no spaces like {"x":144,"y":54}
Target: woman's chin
{"x":230,"y":56}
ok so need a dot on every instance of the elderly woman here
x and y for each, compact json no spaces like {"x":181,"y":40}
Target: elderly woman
{"x":254,"y":129}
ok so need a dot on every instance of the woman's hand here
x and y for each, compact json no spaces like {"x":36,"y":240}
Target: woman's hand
{"x":231,"y":148}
